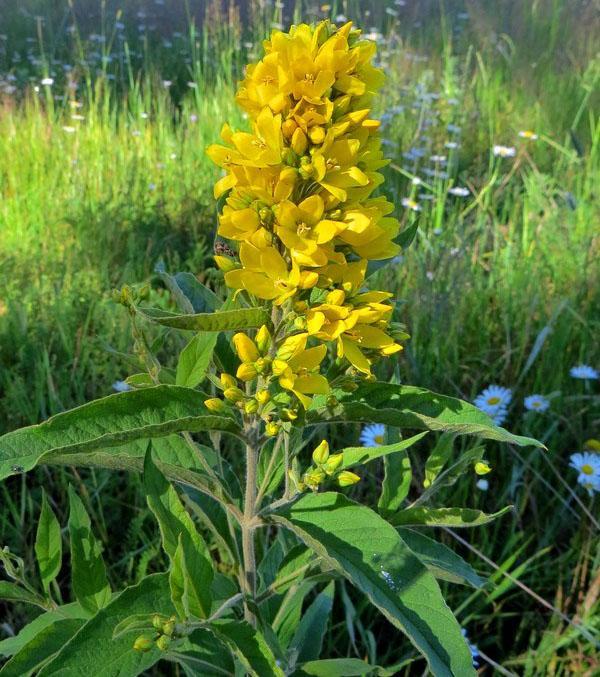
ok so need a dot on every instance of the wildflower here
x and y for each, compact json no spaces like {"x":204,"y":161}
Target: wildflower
{"x":536,"y":403}
{"x":47,"y":82}
{"x":587,"y":465}
{"x":528,"y":134}
{"x":482,"y":485}
{"x":584,"y":371}
{"x":472,"y":647}
{"x":493,"y":398}
{"x":504,"y":151}
{"x":120,"y":386}
{"x":459,"y":191}
{"x":482,"y":468}
{"x":373,"y":435}
{"x":410,"y":204}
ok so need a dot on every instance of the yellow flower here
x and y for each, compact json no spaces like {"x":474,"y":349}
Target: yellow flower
{"x":295,"y":365}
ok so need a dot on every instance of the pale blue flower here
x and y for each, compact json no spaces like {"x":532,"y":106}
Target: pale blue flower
{"x":373,"y":435}
{"x":584,"y":371}
{"x":587,"y":465}
{"x":536,"y":403}
{"x":121,"y":386}
{"x":473,"y":648}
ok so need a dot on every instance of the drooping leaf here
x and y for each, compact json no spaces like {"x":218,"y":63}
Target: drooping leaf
{"x":189,"y":293}
{"x":191,"y":564}
{"x":396,"y":483}
{"x":289,"y":613}
{"x":222,"y":320}
{"x":48,"y":544}
{"x":194,"y":359}
{"x":88,"y":573}
{"x":93,"y":652}
{"x":440,"y":560}
{"x":438,"y":458}
{"x":109,"y":422}
{"x":445,"y":517}
{"x":203,"y":654}
{"x":307,"y":641}
{"x":338,"y":667}
{"x":361,"y":455}
{"x":368,"y":551}
{"x":411,"y":407}
{"x":249,"y":646}
{"x":11,"y":592}
{"x":41,"y":648}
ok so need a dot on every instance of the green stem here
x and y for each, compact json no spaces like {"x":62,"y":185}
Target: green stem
{"x":248,"y":527}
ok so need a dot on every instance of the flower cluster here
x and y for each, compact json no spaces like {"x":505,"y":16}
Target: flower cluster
{"x":299,"y":209}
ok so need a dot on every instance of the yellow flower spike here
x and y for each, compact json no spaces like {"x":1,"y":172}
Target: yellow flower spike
{"x":215,"y":404}
{"x":321,"y":453}
{"x":347,"y":478}
{"x":245,"y":348}
{"x":333,"y":463}
{"x":482,"y":468}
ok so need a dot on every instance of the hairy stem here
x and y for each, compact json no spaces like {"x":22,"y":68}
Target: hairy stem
{"x":248,"y":527}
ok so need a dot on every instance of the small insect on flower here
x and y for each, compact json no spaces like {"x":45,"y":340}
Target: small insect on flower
{"x":459,"y":191}
{"x":536,"y":403}
{"x":584,"y":371}
{"x":529,"y":135}
{"x":504,"y":151}
{"x":411,"y":204}
{"x":587,"y":465}
{"x":373,"y":435}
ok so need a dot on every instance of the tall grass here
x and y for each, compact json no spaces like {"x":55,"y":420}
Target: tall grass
{"x":500,"y":286}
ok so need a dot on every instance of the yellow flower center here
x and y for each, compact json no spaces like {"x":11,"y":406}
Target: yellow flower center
{"x":587,"y":469}
{"x":309,"y":77}
{"x":268,"y":80}
{"x":259,"y":144}
{"x":493,"y":400}
{"x":303,"y":228}
{"x":379,"y":439}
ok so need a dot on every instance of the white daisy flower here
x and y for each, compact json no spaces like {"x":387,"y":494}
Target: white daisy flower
{"x":528,"y":134}
{"x":536,"y":403}
{"x":373,"y":435}
{"x":411,"y":204}
{"x":493,"y":398}
{"x":459,"y":191}
{"x":587,"y":465}
{"x":584,"y":371}
{"x":504,"y":151}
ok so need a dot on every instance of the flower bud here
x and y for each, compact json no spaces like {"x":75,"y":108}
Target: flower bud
{"x":215,"y":404}
{"x":482,"y":468}
{"x":263,"y":340}
{"x":321,"y":453}
{"x":163,"y":642}
{"x":296,"y":481}
{"x":308,"y":279}
{"x":333,"y":463}
{"x":245,"y":348}
{"x":228,"y":381}
{"x":288,"y":128}
{"x":234,"y":394}
{"x":313,"y":477}
{"x":251,"y":406}
{"x":143,"y":643}
{"x":279,"y":367}
{"x":316,"y":135}
{"x":225,"y":264}
{"x":247,"y":372}
{"x":169,"y":627}
{"x":262,"y":397}
{"x":332,"y":401}
{"x":262,"y":364}
{"x":289,"y":414}
{"x":157,"y":622}
{"x":272,"y":429}
{"x":347,"y":478}
{"x":266,"y":216}
{"x":299,"y":142}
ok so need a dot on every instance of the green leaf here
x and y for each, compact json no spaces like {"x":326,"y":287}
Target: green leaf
{"x":445,"y":517}
{"x":338,"y":667}
{"x":88,"y":573}
{"x":368,"y":551}
{"x":194,"y":360}
{"x":94,"y":653}
{"x":249,"y":646}
{"x":410,"y":407}
{"x":361,"y":455}
{"x":438,"y":458}
{"x":440,"y":560}
{"x":33,"y":655}
{"x":289,"y":613}
{"x":192,"y":570}
{"x":48,"y":544}
{"x":11,"y":592}
{"x":189,"y":293}
{"x":396,"y":483}
{"x":406,"y":237}
{"x":134,"y":623}
{"x":308,"y":638}
{"x":202,"y":654}
{"x":110,"y":422}
{"x":221,"y":320}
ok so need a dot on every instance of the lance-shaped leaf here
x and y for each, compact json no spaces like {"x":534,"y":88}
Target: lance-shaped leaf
{"x":440,"y":560}
{"x":222,"y":320}
{"x":109,"y":422}
{"x":191,"y":566}
{"x":396,"y":483}
{"x":11,"y":592}
{"x":445,"y":517}
{"x":410,"y":407}
{"x":438,"y":458}
{"x":48,"y":544}
{"x":194,"y":359}
{"x":368,"y":551}
{"x":307,"y":641}
{"x":94,"y":652}
{"x":340,"y":667}
{"x":88,"y":573}
{"x":361,"y":455}
{"x":249,"y":646}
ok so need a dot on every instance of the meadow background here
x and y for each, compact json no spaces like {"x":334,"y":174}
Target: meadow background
{"x":103,"y":176}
